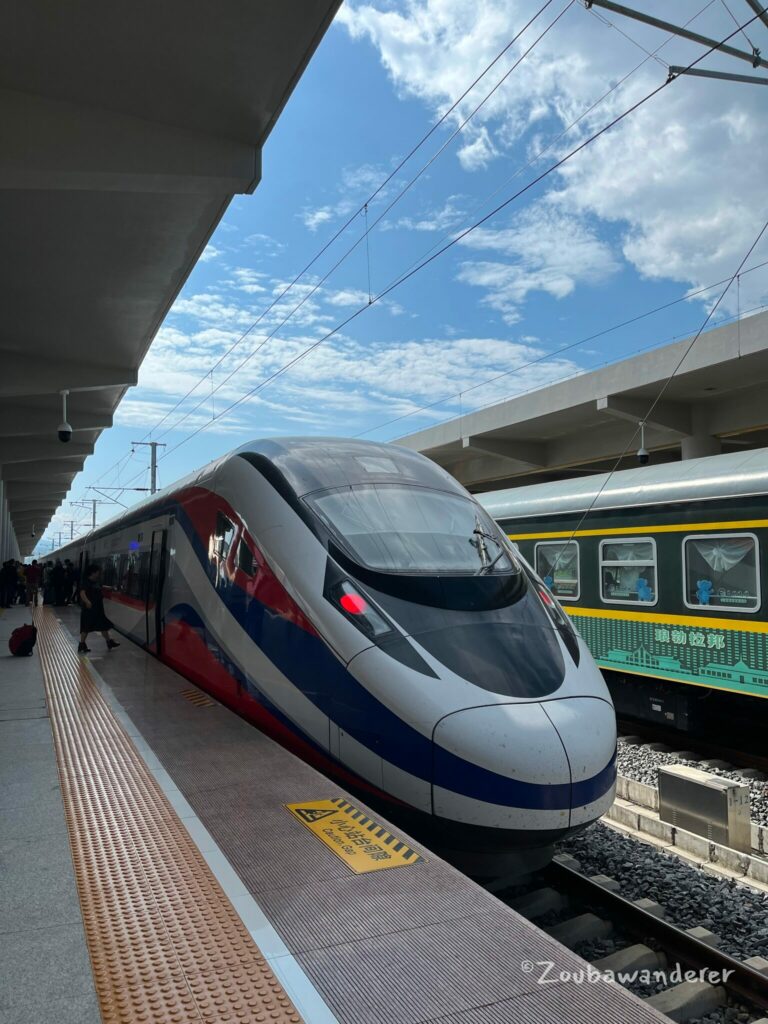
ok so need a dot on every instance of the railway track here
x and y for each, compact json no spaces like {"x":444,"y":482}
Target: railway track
{"x":642,"y":754}
{"x":706,"y":747}
{"x":589,"y":909}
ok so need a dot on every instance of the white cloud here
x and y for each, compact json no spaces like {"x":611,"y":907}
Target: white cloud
{"x":364,"y":178}
{"x":331,"y":389}
{"x":249,"y":281}
{"x":549,"y":251}
{"x":443,"y":219}
{"x":210,"y":253}
{"x":313,"y":219}
{"x":681,"y":180}
{"x":479,"y":152}
{"x":347,"y":297}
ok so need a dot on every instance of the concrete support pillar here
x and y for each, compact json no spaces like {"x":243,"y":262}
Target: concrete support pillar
{"x":699,"y":441}
{"x":8,"y":546}
{"x":700,"y":445}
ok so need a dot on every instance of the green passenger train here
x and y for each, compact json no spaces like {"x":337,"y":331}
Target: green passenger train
{"x":664,"y":570}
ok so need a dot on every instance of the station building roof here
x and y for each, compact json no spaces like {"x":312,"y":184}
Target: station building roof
{"x":716,"y":402}
{"x":127,"y":129}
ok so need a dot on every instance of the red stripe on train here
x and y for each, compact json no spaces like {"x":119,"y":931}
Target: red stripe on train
{"x":202,"y":507}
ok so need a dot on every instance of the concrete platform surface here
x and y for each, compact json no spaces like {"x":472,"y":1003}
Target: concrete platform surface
{"x":410,"y":944}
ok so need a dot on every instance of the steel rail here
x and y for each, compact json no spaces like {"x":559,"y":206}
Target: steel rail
{"x":744,"y":981}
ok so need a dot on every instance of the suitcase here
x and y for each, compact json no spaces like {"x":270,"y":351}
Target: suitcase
{"x":22,"y":640}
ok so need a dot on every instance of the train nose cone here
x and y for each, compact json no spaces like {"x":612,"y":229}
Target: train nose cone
{"x":501,"y":766}
{"x":587,"y":727}
{"x":538,"y":766}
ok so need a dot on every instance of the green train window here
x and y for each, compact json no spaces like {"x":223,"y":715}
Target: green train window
{"x":720,"y":572}
{"x":628,"y":571}
{"x":557,"y":562}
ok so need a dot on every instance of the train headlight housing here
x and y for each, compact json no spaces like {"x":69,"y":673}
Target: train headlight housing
{"x":358,"y":609}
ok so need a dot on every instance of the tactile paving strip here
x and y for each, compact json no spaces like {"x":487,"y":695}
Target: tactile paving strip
{"x":165,"y":943}
{"x":198,"y":698}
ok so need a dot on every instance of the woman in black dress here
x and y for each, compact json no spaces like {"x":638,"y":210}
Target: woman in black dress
{"x":92,"y":617}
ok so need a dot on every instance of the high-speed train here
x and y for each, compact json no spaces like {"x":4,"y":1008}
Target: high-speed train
{"x":353,"y":601}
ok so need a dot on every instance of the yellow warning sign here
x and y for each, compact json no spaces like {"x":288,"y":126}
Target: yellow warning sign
{"x":361,"y":843}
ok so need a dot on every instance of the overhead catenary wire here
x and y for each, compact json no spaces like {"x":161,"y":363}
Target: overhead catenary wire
{"x":735,"y":20}
{"x":495,"y":192}
{"x":370,"y":227}
{"x":607,"y":21}
{"x":667,"y":383}
{"x":390,"y":206}
{"x":687,"y":296}
{"x":456,"y":239}
{"x":580,"y":370}
{"x":565,"y":131}
{"x":350,"y":220}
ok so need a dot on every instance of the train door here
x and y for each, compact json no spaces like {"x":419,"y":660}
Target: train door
{"x":154,"y":593}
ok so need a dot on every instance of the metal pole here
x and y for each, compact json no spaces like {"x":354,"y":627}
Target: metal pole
{"x":153,"y":468}
{"x":93,"y":521}
{"x":760,"y":10}
{"x":723,"y":75}
{"x":153,"y":446}
{"x":753,"y":58}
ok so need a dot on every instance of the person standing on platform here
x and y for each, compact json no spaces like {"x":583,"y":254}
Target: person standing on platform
{"x":58,"y":579}
{"x":7,"y":583}
{"x":34,"y":574}
{"x":47,"y":583}
{"x":76,"y":583}
{"x":92,"y":616}
{"x":21,"y":583}
{"x":69,"y":581}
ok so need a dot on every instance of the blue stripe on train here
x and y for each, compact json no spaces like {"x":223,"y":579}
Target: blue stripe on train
{"x":450,"y":771}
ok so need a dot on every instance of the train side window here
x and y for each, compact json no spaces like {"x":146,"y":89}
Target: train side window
{"x":107,"y":572}
{"x":225,"y":533}
{"x":245,"y":558}
{"x":121,"y":568}
{"x":136,"y":575}
{"x":721,"y":571}
{"x":130,"y":575}
{"x":142,"y":576}
{"x":557,"y":562}
{"x":628,"y":571}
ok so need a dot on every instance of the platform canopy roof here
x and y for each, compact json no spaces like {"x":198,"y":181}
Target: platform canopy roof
{"x":715,"y":402}
{"x":126,"y":129}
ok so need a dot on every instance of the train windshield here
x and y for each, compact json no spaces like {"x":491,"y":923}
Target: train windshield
{"x":392,"y":528}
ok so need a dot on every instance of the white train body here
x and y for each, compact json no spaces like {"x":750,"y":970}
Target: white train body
{"x":353,"y":601}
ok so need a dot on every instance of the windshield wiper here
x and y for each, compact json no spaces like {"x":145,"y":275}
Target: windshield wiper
{"x":479,"y":544}
{"x":487,"y":568}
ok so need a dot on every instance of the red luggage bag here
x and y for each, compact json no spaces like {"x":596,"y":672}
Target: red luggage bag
{"x":22,"y":640}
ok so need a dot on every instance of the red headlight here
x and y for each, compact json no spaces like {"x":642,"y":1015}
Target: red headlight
{"x":355,"y":604}
{"x":359,"y":610}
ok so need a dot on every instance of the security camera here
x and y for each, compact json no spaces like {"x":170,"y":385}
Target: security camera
{"x":643,"y":455}
{"x":65,"y":430}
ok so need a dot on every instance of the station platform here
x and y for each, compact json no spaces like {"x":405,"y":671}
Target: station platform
{"x":152,"y":871}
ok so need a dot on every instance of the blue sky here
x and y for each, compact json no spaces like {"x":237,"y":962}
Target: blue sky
{"x":667,"y":203}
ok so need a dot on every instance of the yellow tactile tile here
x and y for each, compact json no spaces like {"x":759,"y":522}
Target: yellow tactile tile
{"x":166,"y":945}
